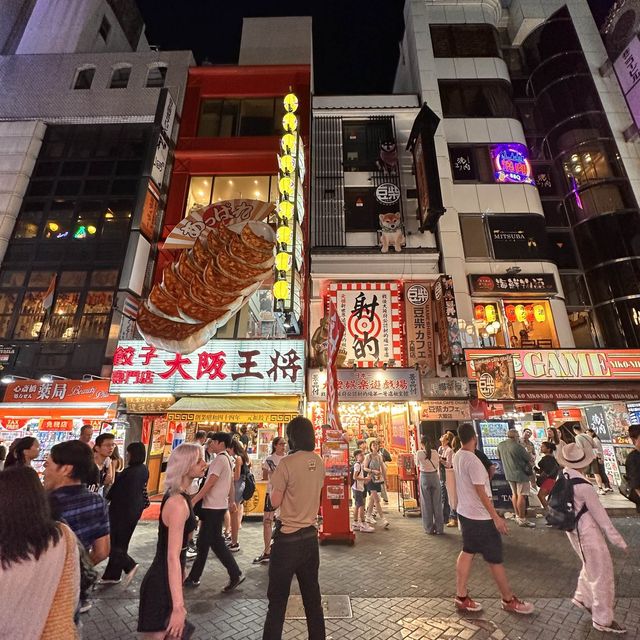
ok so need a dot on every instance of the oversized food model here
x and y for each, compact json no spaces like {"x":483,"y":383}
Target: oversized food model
{"x":227,"y":255}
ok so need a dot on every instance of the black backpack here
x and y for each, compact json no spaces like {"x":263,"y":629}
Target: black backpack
{"x":249,"y":483}
{"x":562,"y":513}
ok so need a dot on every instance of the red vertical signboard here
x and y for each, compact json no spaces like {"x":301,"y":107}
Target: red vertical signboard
{"x":336,"y":331}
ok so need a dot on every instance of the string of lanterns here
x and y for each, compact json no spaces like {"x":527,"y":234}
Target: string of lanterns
{"x":514,"y":313}
{"x":287,"y":164}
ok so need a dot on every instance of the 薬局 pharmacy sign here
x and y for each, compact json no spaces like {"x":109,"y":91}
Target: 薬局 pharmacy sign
{"x":248,"y":367}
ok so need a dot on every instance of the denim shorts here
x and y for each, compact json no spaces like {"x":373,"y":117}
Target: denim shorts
{"x":358,"y":497}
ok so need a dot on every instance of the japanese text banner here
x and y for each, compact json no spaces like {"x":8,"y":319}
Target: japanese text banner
{"x":251,"y":367}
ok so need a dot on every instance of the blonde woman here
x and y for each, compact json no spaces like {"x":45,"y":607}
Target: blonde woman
{"x":376,"y":471}
{"x":162,"y":612}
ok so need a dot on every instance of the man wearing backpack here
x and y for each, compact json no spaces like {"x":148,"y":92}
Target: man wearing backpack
{"x":516,"y":463}
{"x":595,"y":591}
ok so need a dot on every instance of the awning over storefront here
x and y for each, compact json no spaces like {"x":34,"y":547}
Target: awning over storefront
{"x":235,"y":409}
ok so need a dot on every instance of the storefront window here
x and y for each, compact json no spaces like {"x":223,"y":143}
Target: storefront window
{"x":60,"y":325}
{"x":31,"y":316}
{"x":205,"y":190}
{"x":526,"y":324}
{"x":7,"y":307}
{"x":582,"y":330}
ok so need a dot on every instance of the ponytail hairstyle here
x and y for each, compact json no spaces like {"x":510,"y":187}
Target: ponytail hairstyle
{"x":426,"y":443}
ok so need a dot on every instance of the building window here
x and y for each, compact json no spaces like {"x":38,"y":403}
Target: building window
{"x":471,"y":163}
{"x":469,"y":99}
{"x":105,"y":28}
{"x":524,"y":324}
{"x":120,"y":77}
{"x":474,"y":237}
{"x":362,"y":143}
{"x":563,"y":251}
{"x":205,"y":190}
{"x":464,"y":41}
{"x":157,"y":75}
{"x":84,"y":78}
{"x":230,"y":117}
{"x":361,"y":209}
{"x":583,"y":330}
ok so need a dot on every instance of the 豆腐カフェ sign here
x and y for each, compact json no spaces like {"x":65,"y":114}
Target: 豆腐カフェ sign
{"x":566,"y":364}
{"x":418,"y":312}
{"x":367,"y":384}
{"x":219,"y":367}
{"x":527,"y":283}
{"x":445,"y":410}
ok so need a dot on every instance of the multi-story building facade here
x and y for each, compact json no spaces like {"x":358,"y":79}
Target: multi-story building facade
{"x":538,"y":168}
{"x":87,"y":117}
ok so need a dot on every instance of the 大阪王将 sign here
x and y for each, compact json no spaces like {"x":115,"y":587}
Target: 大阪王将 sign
{"x":566,"y":364}
{"x":252,"y":367}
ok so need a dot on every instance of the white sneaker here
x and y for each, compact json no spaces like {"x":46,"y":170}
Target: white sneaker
{"x":601,"y":492}
{"x":369,"y":520}
{"x":367,"y":528}
{"x":385,"y":523}
{"x":356,"y":526}
{"x":509,"y":515}
{"x":521,"y":522}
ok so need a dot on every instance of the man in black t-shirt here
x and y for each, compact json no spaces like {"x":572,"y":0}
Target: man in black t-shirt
{"x":488,"y":465}
{"x":632,"y":465}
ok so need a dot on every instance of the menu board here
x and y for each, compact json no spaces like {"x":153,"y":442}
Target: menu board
{"x":611,"y":463}
{"x":617,"y":418}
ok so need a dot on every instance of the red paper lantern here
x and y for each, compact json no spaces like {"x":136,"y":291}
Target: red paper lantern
{"x":478,"y":312}
{"x":529,"y":311}
{"x":510,"y":312}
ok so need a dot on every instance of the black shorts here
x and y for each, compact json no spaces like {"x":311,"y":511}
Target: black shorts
{"x":481,"y":536}
{"x":358,"y":497}
{"x":268,"y":507}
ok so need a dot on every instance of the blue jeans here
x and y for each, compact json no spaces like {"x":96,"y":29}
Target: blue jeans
{"x":431,"y":502}
{"x":294,"y":554}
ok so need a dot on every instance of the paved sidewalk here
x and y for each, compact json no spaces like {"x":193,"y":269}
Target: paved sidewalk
{"x":401,"y":583}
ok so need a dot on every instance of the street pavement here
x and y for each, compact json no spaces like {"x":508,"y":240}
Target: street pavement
{"x":400,"y":583}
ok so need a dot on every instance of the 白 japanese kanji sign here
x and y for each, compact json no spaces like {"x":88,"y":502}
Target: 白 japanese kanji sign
{"x":219,"y":367}
{"x":371,"y":314}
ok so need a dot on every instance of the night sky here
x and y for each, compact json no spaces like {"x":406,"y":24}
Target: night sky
{"x":355,"y":41}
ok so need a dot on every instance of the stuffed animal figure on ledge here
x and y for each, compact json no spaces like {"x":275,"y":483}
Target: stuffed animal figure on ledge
{"x":392,"y":235}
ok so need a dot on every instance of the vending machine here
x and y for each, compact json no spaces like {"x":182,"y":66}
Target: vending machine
{"x":490,"y":434}
{"x":335,"y":493}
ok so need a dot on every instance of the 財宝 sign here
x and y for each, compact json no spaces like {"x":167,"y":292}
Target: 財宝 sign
{"x":445,"y":410}
{"x":518,"y":284}
{"x":219,"y":367}
{"x":370,"y":312}
{"x":364,"y":385}
{"x":565,"y":364}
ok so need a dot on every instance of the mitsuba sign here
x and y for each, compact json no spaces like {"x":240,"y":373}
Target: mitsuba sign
{"x":566,"y":364}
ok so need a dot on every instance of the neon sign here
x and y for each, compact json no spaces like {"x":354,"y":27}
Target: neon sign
{"x":511,"y":164}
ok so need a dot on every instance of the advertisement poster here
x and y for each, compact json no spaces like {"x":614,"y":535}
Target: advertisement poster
{"x":446,"y":316}
{"x":618,"y":422}
{"x":596,"y":420}
{"x":496,"y":378}
{"x":611,"y":463}
{"x":371,"y":314}
{"x":336,"y":332}
{"x":399,"y":432}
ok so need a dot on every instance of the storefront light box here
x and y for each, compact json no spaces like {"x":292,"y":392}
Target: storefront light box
{"x":238,"y":367}
{"x":511,"y":164}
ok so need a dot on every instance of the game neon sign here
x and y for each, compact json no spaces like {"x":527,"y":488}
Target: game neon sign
{"x":511,"y":164}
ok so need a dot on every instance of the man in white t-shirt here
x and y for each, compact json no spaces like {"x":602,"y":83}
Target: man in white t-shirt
{"x":481,"y":526}
{"x":217,"y":496}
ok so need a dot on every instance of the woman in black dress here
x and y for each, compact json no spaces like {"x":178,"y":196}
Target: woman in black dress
{"x":127,"y":500}
{"x":162,"y":612}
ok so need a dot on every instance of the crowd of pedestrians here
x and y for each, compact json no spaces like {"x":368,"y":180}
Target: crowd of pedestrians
{"x":92,"y":500}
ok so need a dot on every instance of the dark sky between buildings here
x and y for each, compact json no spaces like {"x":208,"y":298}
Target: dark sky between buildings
{"x":355,"y":41}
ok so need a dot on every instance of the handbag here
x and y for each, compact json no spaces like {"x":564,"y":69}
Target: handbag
{"x":59,"y":623}
{"x":625,"y":489}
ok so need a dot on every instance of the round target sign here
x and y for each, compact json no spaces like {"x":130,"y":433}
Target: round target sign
{"x":364,"y":327}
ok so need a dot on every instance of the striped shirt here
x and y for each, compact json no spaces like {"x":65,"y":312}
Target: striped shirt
{"x":85,"y":512}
